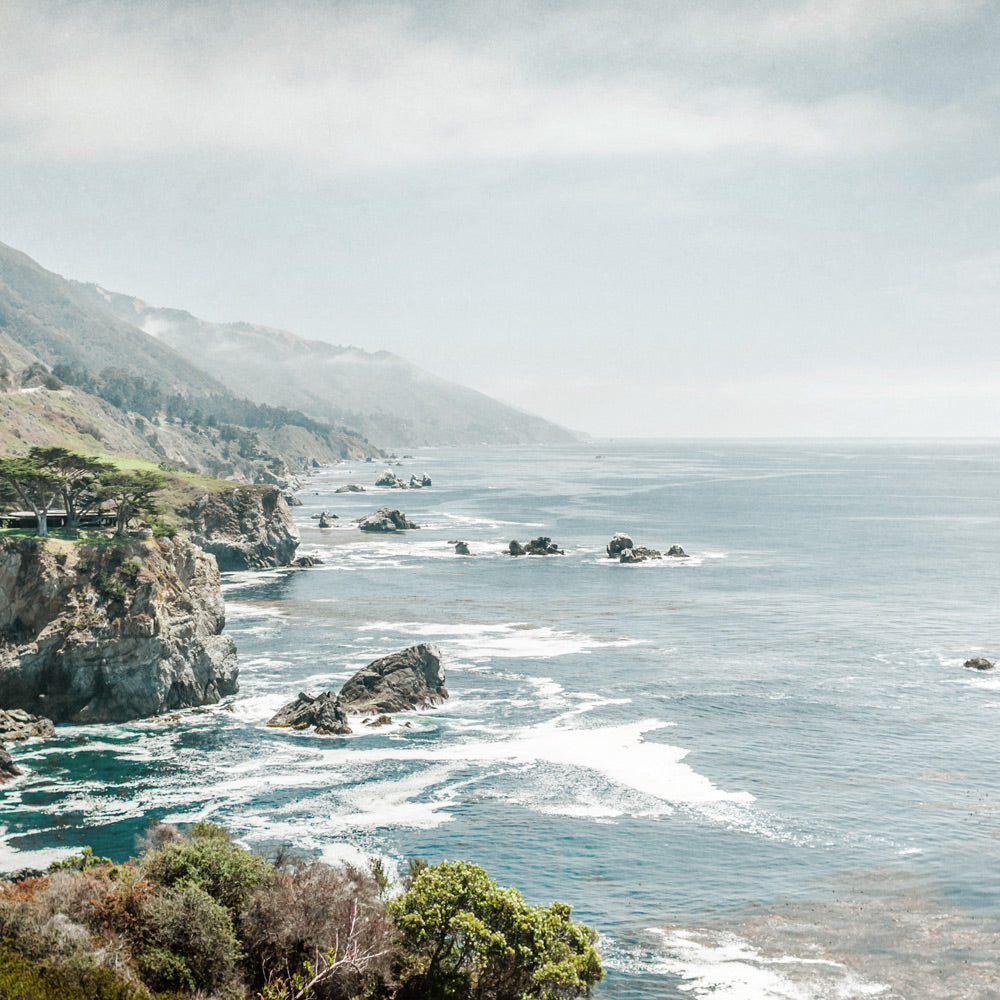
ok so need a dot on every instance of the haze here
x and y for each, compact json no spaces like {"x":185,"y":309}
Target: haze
{"x":634,"y":219}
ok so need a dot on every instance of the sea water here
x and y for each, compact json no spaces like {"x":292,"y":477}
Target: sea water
{"x":759,"y":772}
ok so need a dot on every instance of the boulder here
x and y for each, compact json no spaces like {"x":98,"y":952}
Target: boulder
{"x":326,"y":520}
{"x":462,"y":549}
{"x":676,"y":552}
{"x":8,"y":769}
{"x":637,"y":554}
{"x":541,"y":546}
{"x":323,"y":711}
{"x":390,"y":479}
{"x":304,"y":562}
{"x":412,"y":678}
{"x":386,"y":519}
{"x":350,"y":488}
{"x":979,"y":663}
{"x":16,"y":724}
{"x":619,"y":542}
{"x":382,"y":720}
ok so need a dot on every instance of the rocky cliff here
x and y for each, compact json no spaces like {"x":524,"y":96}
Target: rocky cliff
{"x":246,"y":528}
{"x":111,"y":632}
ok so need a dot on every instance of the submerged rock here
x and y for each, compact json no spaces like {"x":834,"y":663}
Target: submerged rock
{"x":323,"y":711}
{"x":246,"y":528}
{"x":386,"y":519}
{"x":350,"y":488}
{"x":979,"y":663}
{"x":412,"y":678}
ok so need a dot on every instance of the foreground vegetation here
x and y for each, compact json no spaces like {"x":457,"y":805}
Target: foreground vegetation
{"x":196,"y":916}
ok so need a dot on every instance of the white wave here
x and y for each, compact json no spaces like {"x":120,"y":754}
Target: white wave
{"x":726,"y":967}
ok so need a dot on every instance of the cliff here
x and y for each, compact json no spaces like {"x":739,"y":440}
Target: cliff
{"x":111,"y":632}
{"x":246,"y":528}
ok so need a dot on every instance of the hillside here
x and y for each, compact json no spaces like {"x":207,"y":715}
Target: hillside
{"x":75,"y":376}
{"x":382,"y":396}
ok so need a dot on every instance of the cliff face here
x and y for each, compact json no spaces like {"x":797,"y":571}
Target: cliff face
{"x":107,"y":633}
{"x":247,"y":528}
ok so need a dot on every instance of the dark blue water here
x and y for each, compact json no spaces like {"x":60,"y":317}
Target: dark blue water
{"x":759,"y":772}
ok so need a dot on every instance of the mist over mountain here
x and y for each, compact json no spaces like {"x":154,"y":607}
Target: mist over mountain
{"x":382,"y":396}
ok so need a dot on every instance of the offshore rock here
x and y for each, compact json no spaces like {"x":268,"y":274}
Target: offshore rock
{"x":108,"y":633}
{"x":323,"y":711}
{"x":350,"y":488}
{"x":418,"y":482}
{"x":638,"y":554}
{"x":412,"y":678}
{"x":326,"y":519}
{"x":462,"y":549}
{"x":386,"y":519}
{"x":618,"y":544}
{"x":247,"y":528}
{"x":979,"y":663}
{"x":541,"y":546}
{"x":676,"y":552}
{"x":390,"y":479}
{"x":16,"y":724}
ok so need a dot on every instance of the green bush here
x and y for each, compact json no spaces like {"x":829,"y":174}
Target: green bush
{"x":464,"y":936}
{"x":24,"y":978}
{"x":188,"y":942}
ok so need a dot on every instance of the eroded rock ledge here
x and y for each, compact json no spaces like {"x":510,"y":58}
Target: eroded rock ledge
{"x":111,"y":632}
{"x":246,"y":528}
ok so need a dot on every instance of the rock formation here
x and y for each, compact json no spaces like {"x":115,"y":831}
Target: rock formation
{"x":350,"y":488}
{"x":418,"y":482}
{"x":326,"y":519}
{"x":412,"y":678}
{"x":619,"y":542}
{"x":390,"y":479}
{"x":323,"y":711}
{"x":386,"y":519}
{"x":246,"y":528}
{"x":541,"y":546}
{"x":8,"y":769}
{"x":637,"y":554}
{"x":16,"y":724}
{"x":107,"y":633}
{"x":979,"y":663}
{"x":462,"y":548}
{"x":676,"y":552}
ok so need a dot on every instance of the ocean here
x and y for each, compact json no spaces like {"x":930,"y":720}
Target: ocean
{"x":759,"y":772}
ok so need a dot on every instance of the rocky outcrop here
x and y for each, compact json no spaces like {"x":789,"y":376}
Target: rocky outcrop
{"x":17,"y":724}
{"x":350,"y":488}
{"x":246,"y":528}
{"x":676,"y":552}
{"x":618,"y":544}
{"x":419,"y":482}
{"x":386,"y":519}
{"x":326,"y":519}
{"x":8,"y":769}
{"x":413,"y":678}
{"x":323,"y":711}
{"x":410,"y":679}
{"x":390,"y":479}
{"x":637,"y":554}
{"x":979,"y":663}
{"x":461,"y":548}
{"x":107,"y":633}
{"x":541,"y":546}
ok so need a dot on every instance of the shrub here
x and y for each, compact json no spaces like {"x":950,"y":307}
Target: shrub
{"x":463,"y":936}
{"x":24,"y":978}
{"x":188,"y":942}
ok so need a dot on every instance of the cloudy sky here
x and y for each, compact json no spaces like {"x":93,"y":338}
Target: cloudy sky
{"x":707,"y":217}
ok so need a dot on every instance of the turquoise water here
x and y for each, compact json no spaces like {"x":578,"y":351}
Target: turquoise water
{"x":758,"y":772}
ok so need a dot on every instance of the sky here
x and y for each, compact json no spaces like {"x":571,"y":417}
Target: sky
{"x":637,"y":219}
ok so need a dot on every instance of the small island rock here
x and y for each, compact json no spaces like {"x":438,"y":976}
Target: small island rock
{"x":979,"y":663}
{"x":618,"y":544}
{"x":350,"y":488}
{"x":541,"y":546}
{"x":462,"y":549}
{"x":323,"y":711}
{"x":390,"y":479}
{"x":637,"y":554}
{"x":326,"y":519}
{"x":676,"y":552}
{"x":412,"y":678}
{"x":386,"y":519}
